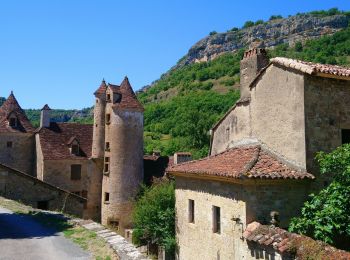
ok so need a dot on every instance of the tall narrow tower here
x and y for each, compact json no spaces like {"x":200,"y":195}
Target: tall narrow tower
{"x":98,"y":139}
{"x":123,"y":162}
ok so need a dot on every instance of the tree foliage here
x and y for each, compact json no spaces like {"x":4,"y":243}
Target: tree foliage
{"x":326,"y":216}
{"x":154,"y":216}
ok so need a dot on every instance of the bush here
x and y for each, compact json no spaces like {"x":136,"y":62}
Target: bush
{"x":248,"y":24}
{"x":154,"y":216}
{"x":326,"y":216}
{"x":213,"y":33}
{"x":274,"y":17}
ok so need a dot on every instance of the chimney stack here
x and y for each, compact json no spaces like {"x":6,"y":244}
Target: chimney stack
{"x":45,"y":116}
{"x":253,"y":61}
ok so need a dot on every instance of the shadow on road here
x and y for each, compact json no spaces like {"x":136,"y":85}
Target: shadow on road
{"x":31,"y":225}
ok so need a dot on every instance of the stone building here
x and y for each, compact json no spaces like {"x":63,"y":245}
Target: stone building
{"x":102,"y":163}
{"x":261,"y":156}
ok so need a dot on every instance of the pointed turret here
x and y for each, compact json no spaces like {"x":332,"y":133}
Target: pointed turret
{"x":12,"y":116}
{"x":101,"y":89}
{"x":128,"y":99}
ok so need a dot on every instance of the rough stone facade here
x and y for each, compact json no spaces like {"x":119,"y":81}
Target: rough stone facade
{"x":20,"y":154}
{"x":17,"y":185}
{"x":239,"y":205}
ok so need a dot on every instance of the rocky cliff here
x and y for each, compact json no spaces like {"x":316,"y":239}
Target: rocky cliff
{"x":271,"y":33}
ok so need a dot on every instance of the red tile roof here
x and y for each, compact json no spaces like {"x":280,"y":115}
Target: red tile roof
{"x":285,"y":242}
{"x":241,"y":163}
{"x":312,"y":68}
{"x":102,"y":88}
{"x":11,"y":106}
{"x":55,"y":140}
{"x":129,"y":99}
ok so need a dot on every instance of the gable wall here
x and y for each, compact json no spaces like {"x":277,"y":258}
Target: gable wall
{"x":21,"y":155}
{"x":277,"y":112}
{"x":327,"y":111}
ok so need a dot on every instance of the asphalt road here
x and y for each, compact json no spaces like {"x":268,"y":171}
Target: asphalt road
{"x":24,"y":239}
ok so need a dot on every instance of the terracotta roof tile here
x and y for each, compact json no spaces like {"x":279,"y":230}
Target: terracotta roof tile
{"x":312,"y":68}
{"x":55,"y":140}
{"x":11,"y":106}
{"x":129,"y":99}
{"x":286,"y":242}
{"x":102,"y":88}
{"x":240,"y":163}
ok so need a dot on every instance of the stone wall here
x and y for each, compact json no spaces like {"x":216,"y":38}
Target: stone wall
{"x":327,"y":111}
{"x":58,"y":173}
{"x":277,"y":113}
{"x":21,"y":154}
{"x":29,"y":190}
{"x":122,"y":182}
{"x":98,"y":143}
{"x":239,"y":205}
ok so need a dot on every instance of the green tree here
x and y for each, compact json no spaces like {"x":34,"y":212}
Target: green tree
{"x":248,"y":24}
{"x":154,"y":216}
{"x":326,"y":216}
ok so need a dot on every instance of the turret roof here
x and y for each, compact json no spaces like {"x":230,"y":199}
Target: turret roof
{"x":11,"y":106}
{"x":102,"y":88}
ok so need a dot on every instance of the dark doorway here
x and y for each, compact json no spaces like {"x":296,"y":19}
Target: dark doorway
{"x":345,"y":136}
{"x":44,"y":204}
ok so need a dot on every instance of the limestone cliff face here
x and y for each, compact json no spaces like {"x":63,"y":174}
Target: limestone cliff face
{"x":269,"y":34}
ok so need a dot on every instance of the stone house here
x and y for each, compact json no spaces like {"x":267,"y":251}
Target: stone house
{"x":102,"y":163}
{"x":261,"y":156}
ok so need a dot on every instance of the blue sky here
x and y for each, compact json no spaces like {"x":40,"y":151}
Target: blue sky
{"x":58,"y":51}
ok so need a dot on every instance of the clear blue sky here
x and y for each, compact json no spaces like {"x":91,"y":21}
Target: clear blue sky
{"x":58,"y":51}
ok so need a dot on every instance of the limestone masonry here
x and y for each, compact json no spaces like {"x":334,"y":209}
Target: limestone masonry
{"x":98,"y":168}
{"x":261,"y":165}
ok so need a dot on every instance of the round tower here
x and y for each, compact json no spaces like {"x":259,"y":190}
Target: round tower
{"x":123,"y":163}
{"x":98,"y":139}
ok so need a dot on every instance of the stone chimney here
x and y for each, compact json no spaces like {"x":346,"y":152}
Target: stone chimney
{"x":45,"y":116}
{"x":182,"y":157}
{"x":253,"y":61}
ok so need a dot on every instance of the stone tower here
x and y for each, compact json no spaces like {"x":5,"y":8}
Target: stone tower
{"x":98,"y":139}
{"x":123,"y":160}
{"x":253,"y":61}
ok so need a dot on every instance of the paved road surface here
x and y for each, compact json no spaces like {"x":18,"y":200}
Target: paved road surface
{"x":24,"y":239}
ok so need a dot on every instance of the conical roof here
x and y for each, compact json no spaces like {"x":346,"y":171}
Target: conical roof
{"x":11,"y":107}
{"x":101,"y":89}
{"x":46,"y":107}
{"x":129,"y":99}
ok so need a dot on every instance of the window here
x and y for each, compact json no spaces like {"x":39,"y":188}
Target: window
{"x":108,"y":97}
{"x":107,"y":148}
{"x":108,"y":119}
{"x":75,"y":172}
{"x":13,"y":122}
{"x":106,"y":197}
{"x":345,"y":136}
{"x":75,"y":149}
{"x":106,"y":165}
{"x":191,"y":211}
{"x":9,"y":144}
{"x":44,"y":204}
{"x":216,"y":220}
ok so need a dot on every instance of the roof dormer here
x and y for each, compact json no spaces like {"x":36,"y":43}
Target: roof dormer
{"x":74,"y":146}
{"x":113,"y":94}
{"x":13,"y":120}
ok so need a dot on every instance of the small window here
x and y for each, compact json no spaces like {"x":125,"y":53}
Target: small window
{"x":75,"y":172}
{"x":106,"y":168}
{"x":191,"y":211}
{"x":108,"y":118}
{"x":106,"y":159}
{"x":75,"y":149}
{"x":9,"y":144}
{"x":13,"y":122}
{"x":44,"y":204}
{"x":345,"y":136}
{"x":96,"y":100}
{"x":106,"y":196}
{"x":108,"y":97}
{"x":107,"y":148}
{"x":216,"y":220}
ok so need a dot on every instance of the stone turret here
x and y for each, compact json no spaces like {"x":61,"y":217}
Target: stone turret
{"x":123,"y":163}
{"x":253,"y":61}
{"x":98,"y":140}
{"x":45,"y":116}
